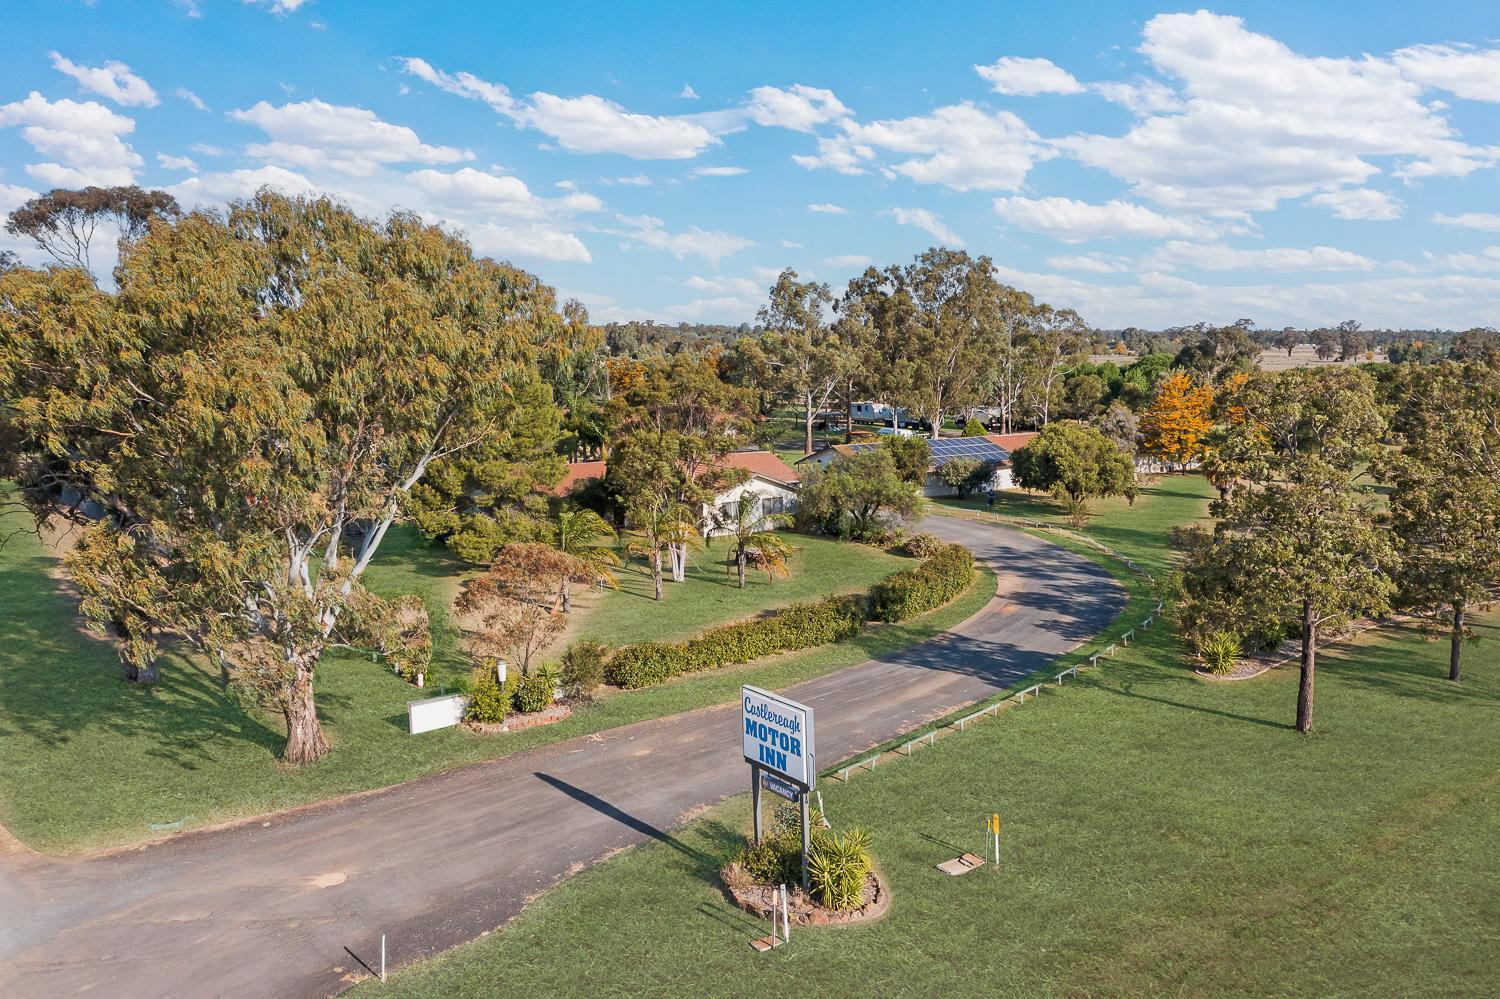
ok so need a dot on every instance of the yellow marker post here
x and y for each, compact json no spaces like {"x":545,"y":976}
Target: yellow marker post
{"x":994,"y":825}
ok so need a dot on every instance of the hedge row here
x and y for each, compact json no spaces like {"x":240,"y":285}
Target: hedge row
{"x":936,"y":581}
{"x":799,"y":626}
{"x":931,"y":584}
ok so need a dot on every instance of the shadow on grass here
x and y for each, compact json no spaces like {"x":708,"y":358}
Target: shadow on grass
{"x":67,"y":685}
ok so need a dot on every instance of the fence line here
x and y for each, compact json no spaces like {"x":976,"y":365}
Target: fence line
{"x":1034,"y":691}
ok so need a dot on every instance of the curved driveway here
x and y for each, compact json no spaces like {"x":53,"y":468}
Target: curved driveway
{"x":291,"y":905}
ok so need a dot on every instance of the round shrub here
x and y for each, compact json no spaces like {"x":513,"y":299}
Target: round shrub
{"x":536,"y":692}
{"x":488,"y":701}
{"x":923,"y":546}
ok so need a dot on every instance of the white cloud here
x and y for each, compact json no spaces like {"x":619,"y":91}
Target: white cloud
{"x":1078,"y":221}
{"x":278,"y":6}
{"x":850,"y":260}
{"x":826,"y":208}
{"x":185,"y":94}
{"x":838,"y":153}
{"x":638,"y":180}
{"x":744,"y":287}
{"x":586,"y":124}
{"x":688,"y":93}
{"x":317,"y":135}
{"x":470,"y":190}
{"x":711,"y":245}
{"x":1094,"y":263}
{"x":1027,"y":77}
{"x":1466,"y":72}
{"x":1486,"y":260}
{"x":1156,"y":300}
{"x":592,"y":124}
{"x":215,"y":189}
{"x":176,"y":162}
{"x":1178,"y":254}
{"x":1359,"y":203}
{"x":1260,"y":123}
{"x":719,"y":171}
{"x":1483,"y":221}
{"x":208,"y":150}
{"x":536,"y":241}
{"x":960,"y":146}
{"x":113,"y":80}
{"x":1141,"y":97}
{"x":790,"y":244}
{"x":927,"y":221}
{"x":799,"y":108}
{"x":496,"y":95}
{"x":85,"y":137}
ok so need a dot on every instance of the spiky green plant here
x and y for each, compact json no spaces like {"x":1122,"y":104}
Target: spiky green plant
{"x":1220,"y":652}
{"x":838,"y":866}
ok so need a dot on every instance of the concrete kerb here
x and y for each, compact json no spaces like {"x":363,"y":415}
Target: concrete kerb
{"x":1016,"y":697}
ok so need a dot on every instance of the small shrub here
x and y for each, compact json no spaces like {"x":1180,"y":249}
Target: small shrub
{"x":923,"y":546}
{"x":974,"y":428}
{"x":583,"y":665}
{"x":535,"y":692}
{"x":488,"y":701}
{"x":1220,"y":652}
{"x":778,"y":858}
{"x":837,"y":866}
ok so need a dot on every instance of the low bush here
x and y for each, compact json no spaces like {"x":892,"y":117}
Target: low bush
{"x":939,"y":579}
{"x":1220,"y":652}
{"x":488,"y":701}
{"x":799,"y":626}
{"x":640,"y":665}
{"x":923,"y":546}
{"x":535,"y":692}
{"x":837,"y":867}
{"x":583,"y":669}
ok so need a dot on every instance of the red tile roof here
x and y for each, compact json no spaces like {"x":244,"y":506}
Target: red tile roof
{"x":1011,"y":442}
{"x":762,"y":463}
{"x":578,"y":472}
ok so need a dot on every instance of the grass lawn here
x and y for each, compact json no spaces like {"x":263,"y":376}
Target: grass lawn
{"x":819,"y":567}
{"x":90,"y":761}
{"x":1137,"y":531}
{"x":1163,"y":834}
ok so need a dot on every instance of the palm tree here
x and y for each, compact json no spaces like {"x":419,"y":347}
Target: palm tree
{"x":751,"y":530}
{"x":577,"y":531}
{"x":661,"y":523}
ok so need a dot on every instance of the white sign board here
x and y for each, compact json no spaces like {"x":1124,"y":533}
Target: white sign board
{"x":778,"y":735}
{"x":435,"y":712}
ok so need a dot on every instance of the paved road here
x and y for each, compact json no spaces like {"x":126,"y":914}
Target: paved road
{"x":292,"y":905}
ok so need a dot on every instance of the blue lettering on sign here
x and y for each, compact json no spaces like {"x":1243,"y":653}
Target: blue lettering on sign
{"x":776,"y":743}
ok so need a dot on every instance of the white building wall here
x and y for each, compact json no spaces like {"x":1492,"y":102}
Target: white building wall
{"x":772,"y":496}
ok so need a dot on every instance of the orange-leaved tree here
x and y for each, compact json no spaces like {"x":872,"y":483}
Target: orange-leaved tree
{"x":1174,"y":426}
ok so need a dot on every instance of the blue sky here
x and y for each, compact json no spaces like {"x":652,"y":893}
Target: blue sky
{"x":1148,"y":165}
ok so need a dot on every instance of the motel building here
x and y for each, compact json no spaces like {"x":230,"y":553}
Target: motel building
{"x":770,"y":484}
{"x":992,"y":451}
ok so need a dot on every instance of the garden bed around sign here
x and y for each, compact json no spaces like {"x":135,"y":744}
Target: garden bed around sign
{"x":803,"y":910}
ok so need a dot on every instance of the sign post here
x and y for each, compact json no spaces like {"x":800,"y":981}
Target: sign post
{"x":777,"y":742}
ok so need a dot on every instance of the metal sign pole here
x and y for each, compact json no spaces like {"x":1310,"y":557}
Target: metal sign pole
{"x":806,"y":838}
{"x":755,"y":798}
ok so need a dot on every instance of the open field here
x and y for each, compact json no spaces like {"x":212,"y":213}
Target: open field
{"x":92,"y":761}
{"x":1163,"y":834}
{"x":1302,"y":356}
